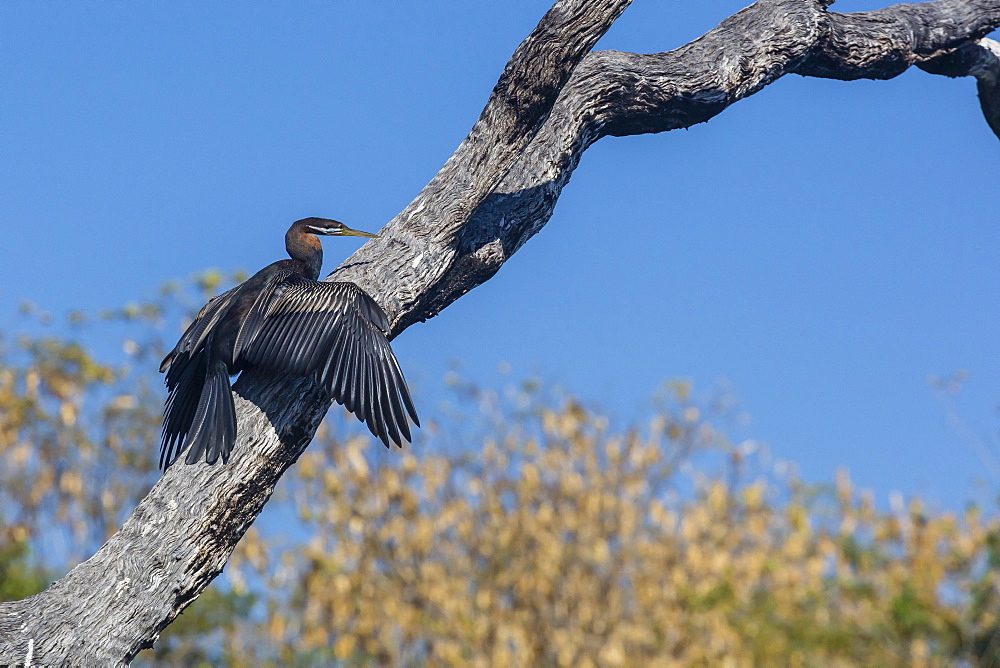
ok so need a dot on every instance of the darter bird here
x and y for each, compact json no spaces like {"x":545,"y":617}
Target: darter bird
{"x":284,"y":319}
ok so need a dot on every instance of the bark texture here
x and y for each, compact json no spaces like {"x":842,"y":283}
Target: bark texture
{"x":553,"y":100}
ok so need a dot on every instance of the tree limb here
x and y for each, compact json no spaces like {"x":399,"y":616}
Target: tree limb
{"x":980,"y":60}
{"x":180,"y":536}
{"x":498,"y":189}
{"x":620,"y":94}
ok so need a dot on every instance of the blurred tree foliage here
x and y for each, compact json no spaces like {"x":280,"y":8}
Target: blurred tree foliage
{"x":540,"y":535}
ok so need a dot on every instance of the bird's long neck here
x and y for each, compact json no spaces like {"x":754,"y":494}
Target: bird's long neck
{"x":307,"y":249}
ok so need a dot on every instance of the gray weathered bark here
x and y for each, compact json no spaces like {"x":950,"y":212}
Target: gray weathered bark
{"x":498,"y":189}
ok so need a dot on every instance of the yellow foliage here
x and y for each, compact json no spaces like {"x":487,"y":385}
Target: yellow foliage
{"x":568,"y":547}
{"x":552,"y":539}
{"x":64,"y":444}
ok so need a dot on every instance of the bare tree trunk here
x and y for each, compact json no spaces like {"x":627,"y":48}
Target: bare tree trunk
{"x":554,"y":99}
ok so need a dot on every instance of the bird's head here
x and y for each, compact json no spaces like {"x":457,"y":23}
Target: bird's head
{"x":302,"y":244}
{"x":331,"y":228}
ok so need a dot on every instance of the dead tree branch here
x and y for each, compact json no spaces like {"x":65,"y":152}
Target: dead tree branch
{"x":498,"y":189}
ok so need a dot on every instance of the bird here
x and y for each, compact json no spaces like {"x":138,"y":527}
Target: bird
{"x":283,"y":319}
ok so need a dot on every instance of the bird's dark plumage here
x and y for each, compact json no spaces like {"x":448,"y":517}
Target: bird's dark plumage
{"x":282,"y":318}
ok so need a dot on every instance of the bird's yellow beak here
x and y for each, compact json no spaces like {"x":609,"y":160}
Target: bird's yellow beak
{"x":346,"y":231}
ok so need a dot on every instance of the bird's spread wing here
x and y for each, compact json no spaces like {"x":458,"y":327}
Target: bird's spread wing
{"x":194,"y":336}
{"x":338,"y":332}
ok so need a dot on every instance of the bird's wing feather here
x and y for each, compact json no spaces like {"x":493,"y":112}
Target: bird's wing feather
{"x":338,"y":332}
{"x":197,"y":332}
{"x":257,"y":315}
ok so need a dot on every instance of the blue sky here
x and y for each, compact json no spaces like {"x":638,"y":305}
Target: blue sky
{"x":822,"y":247}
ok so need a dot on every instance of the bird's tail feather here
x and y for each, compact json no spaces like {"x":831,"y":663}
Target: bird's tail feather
{"x":185,"y":380}
{"x":213,"y":429}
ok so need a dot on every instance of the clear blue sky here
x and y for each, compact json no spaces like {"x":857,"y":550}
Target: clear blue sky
{"x":823,"y":246}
